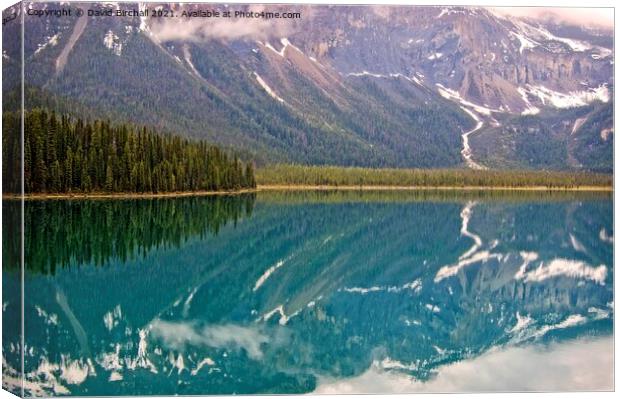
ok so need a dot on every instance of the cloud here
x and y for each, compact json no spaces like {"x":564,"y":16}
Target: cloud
{"x":600,"y":17}
{"x":203,"y":29}
{"x":583,"y":364}
{"x":177,"y":335}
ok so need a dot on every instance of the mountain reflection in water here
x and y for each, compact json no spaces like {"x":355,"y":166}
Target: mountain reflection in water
{"x":302,"y":292}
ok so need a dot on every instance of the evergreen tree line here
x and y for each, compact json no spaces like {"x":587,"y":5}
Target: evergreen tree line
{"x":63,"y":155}
{"x":341,"y":176}
{"x":73,"y":233}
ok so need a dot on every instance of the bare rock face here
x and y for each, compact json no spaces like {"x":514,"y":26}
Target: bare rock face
{"x":485,"y":57}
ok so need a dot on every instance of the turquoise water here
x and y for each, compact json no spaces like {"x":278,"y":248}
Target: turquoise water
{"x":295,"y":293}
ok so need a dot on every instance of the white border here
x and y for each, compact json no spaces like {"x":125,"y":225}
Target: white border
{"x":496,"y":3}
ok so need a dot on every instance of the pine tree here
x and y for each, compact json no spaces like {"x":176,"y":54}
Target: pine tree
{"x":55,"y":179}
{"x":109,"y":179}
{"x":250,"y":180}
{"x":40,"y":167}
{"x":63,"y":156}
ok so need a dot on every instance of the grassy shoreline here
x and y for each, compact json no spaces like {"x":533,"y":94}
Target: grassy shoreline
{"x":271,"y":188}
{"x":428,"y":188}
{"x":334,"y":176}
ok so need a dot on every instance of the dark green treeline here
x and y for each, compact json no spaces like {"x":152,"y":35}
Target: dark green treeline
{"x":342,"y":176}
{"x":63,"y":233}
{"x":63,"y":155}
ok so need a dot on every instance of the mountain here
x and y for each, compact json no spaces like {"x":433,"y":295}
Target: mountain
{"x":574,"y":138}
{"x":363,"y":86}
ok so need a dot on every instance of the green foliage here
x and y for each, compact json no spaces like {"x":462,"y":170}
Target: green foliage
{"x":337,"y":176}
{"x":63,"y":155}
{"x":336,"y":196}
{"x":12,"y":152}
{"x":87,"y":231}
{"x":556,"y":139}
{"x":359,"y":123}
{"x":593,"y":145}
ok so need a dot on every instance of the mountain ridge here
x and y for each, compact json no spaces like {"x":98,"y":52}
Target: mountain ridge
{"x":351,"y":86}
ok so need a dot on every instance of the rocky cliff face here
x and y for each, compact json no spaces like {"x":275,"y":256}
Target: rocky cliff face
{"x":489,"y":59}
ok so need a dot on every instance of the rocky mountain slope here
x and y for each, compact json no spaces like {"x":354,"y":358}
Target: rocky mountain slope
{"x":377,"y":86}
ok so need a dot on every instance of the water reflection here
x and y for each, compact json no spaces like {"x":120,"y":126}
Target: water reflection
{"x":561,"y":366}
{"x":317,"y":289}
{"x":76,"y":232}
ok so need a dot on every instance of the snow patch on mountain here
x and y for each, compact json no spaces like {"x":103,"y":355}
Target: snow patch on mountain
{"x":570,"y":321}
{"x":522,"y":323}
{"x":456,"y":96}
{"x":112,"y":318}
{"x":578,"y":123}
{"x":362,"y":290}
{"x":605,"y":133}
{"x":577,"y":245}
{"x":575,"y":45}
{"x":529,"y":108}
{"x":450,"y":10}
{"x":562,"y":100}
{"x":416,"y":80}
{"x":531,"y":36}
{"x":605,"y":237}
{"x":73,"y":372}
{"x":564,"y":268}
{"x":284,"y":319}
{"x":285,"y":44}
{"x":366,"y":73}
{"x":261,"y":280}
{"x":143,"y":18}
{"x":205,"y":362}
{"x":444,"y":11}
{"x":598,"y":314}
{"x":391,"y":364}
{"x":50,"y":318}
{"x":432,"y":308}
{"x":111,"y":41}
{"x":267,"y":88}
{"x":414,"y":286}
{"x":188,"y":58}
{"x":413,"y":79}
{"x":113,"y":4}
{"x":602,"y":53}
{"x":525,"y":42}
{"x":270,"y":47}
{"x":50,"y":41}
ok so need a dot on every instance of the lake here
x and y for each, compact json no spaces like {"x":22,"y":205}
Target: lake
{"x":290,"y":292}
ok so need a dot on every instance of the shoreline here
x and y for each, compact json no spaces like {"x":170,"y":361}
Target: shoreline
{"x":176,"y":194}
{"x":299,"y":187}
